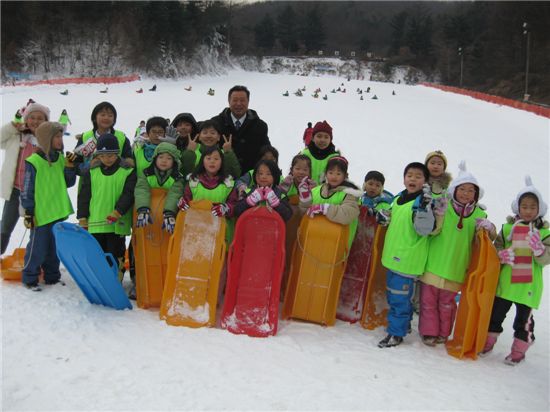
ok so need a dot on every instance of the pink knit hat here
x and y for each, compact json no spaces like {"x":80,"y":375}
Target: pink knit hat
{"x":36,"y":107}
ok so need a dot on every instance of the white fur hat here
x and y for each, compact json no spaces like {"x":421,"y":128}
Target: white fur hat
{"x":464,"y":177}
{"x":529,"y":189}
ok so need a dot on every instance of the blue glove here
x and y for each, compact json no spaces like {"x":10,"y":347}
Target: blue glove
{"x":169,"y":222}
{"x":143,"y":217}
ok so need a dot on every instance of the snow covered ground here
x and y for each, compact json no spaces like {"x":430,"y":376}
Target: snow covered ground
{"x":61,"y":353}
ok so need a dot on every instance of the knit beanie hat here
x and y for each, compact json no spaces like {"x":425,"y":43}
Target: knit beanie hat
{"x":106,"y":144}
{"x":172,"y":150}
{"x":437,"y":153}
{"x":464,"y":177}
{"x":36,"y":107}
{"x":529,"y":188}
{"x":322,"y":127}
{"x":45,"y":134}
{"x":98,"y":108}
{"x":375,"y":175}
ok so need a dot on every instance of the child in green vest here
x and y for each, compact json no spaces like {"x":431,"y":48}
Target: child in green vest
{"x":449,"y":254}
{"x":523,"y":246}
{"x":104,"y":116}
{"x":405,"y":248}
{"x":300,"y":168}
{"x":106,"y":198}
{"x":439,"y":180}
{"x":155,"y":129}
{"x":208,"y":181}
{"x":246,"y":181}
{"x":375,"y":198}
{"x":320,"y":149}
{"x":64,"y":120}
{"x":46,"y":201}
{"x":186,"y":125}
{"x":264,"y":191}
{"x":337,"y":198}
{"x":209,"y":136}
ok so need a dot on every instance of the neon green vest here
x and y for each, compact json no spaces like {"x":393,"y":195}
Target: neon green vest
{"x":141,"y":161}
{"x":526,"y":293}
{"x":64,"y":119}
{"x":217,"y":195}
{"x":106,"y":191}
{"x":318,"y":167}
{"x":118,"y":134}
{"x":335,"y":199}
{"x":51,"y":198}
{"x":405,"y":251}
{"x":449,"y":252}
{"x":154,"y":182}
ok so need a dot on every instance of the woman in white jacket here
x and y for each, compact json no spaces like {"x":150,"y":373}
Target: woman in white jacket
{"x":18,"y":142}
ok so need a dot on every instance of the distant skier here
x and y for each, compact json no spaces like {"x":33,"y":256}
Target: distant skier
{"x":374,"y":97}
{"x":393,"y":92}
{"x":188,"y":88}
{"x":308,"y":133}
{"x":18,"y":117}
{"x":140,"y":90}
{"x":285,"y":94}
{"x":64,"y":92}
{"x":325,"y":97}
{"x":153,"y":89}
{"x":106,"y":90}
{"x":211,"y":92}
{"x":64,"y":120}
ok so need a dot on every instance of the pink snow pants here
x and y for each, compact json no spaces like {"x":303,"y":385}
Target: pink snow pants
{"x":437,"y":311}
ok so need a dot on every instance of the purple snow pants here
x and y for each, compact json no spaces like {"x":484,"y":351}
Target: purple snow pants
{"x":437,"y":311}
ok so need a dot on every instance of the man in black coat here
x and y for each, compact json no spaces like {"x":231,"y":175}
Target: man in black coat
{"x":248,"y":131}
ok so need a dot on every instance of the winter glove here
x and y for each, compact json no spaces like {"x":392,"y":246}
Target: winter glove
{"x":28,"y":220}
{"x":535,"y":243}
{"x":144,"y":217}
{"x":182,"y":204}
{"x":286,"y":184}
{"x":371,"y":211}
{"x":241,"y":189}
{"x":440,"y":206}
{"x":383,"y":217}
{"x":168,"y":221}
{"x":426,"y":196}
{"x":304,"y":190}
{"x":484,"y":224}
{"x":70,"y":159}
{"x":506,"y":256}
{"x":271,"y":197}
{"x":171,"y":135}
{"x":83,"y":223}
{"x":221,"y":209}
{"x":317,"y":209}
{"x":113,"y":217}
{"x":255,"y":197}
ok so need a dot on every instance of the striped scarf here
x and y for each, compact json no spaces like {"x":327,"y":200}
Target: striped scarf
{"x":522,"y":269}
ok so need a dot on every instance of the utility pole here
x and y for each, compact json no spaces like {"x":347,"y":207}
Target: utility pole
{"x":461,"y":64}
{"x":527,"y":33}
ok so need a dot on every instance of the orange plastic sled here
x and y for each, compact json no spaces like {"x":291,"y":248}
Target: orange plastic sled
{"x":476,"y":302}
{"x":292,"y":226}
{"x":150,"y":250}
{"x":11,"y":266}
{"x":376,"y":307}
{"x":196,"y":254}
{"x":318,"y":264}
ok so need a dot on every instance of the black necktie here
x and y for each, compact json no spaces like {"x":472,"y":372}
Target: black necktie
{"x":237,"y":125}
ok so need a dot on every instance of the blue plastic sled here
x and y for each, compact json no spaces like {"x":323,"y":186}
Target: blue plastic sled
{"x":87,"y":264}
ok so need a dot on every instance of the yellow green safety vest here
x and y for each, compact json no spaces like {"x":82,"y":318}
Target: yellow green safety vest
{"x":141,"y":161}
{"x":217,"y":195}
{"x":118,"y":134}
{"x":318,"y":167}
{"x":450,"y":251}
{"x":154,"y":183}
{"x":106,"y":191}
{"x":405,"y":251}
{"x":51,"y":198}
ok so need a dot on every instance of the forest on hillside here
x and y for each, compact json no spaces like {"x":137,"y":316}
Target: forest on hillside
{"x":172,"y":38}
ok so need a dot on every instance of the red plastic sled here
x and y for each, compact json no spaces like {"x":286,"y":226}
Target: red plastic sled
{"x":354,"y":283}
{"x":256,"y":262}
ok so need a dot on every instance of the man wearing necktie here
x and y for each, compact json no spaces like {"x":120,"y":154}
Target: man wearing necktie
{"x":248,"y":131}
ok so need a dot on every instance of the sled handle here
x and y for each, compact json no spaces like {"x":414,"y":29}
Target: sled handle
{"x":113,"y":264}
{"x":481,"y":284}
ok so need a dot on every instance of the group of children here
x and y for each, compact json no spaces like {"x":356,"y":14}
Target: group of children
{"x":431,"y":223}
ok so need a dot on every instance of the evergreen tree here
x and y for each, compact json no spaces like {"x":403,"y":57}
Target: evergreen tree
{"x":264,"y":33}
{"x":314,"y":33}
{"x":286,"y":29}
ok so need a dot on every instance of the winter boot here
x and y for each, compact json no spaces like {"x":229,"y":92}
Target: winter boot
{"x":390,"y":341}
{"x":429,"y":340}
{"x":35,"y":287}
{"x":441,"y":339}
{"x":489,"y":343}
{"x":519,"y":347}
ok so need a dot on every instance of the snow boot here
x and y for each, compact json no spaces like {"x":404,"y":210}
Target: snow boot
{"x":441,"y":339}
{"x":489,"y":343}
{"x":35,"y":287}
{"x":429,"y":340}
{"x":519,"y":347}
{"x":54,"y":282}
{"x":390,"y":341}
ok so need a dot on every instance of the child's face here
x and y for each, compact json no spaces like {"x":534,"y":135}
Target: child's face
{"x":466,"y":193}
{"x":264,"y":177}
{"x":321,"y":140}
{"x":184,"y":128}
{"x":528,"y":209}
{"x":105,"y":119}
{"x":372,"y":188}
{"x":155,"y":134}
{"x":34,"y":120}
{"x":108,"y":159}
{"x":57,"y":141}
{"x":414,"y":179}
{"x":164,"y":161}
{"x":335,"y":177}
{"x":269,"y":156}
{"x":209,"y":136}
{"x":436,"y":166}
{"x":299,"y":171}
{"x":212,"y":163}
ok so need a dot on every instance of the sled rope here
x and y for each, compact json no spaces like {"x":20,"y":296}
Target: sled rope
{"x":317,"y":260}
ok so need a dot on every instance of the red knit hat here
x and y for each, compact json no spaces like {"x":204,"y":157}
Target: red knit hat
{"x":322,"y":127}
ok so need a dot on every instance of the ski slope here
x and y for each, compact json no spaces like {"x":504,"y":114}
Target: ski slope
{"x":61,"y":353}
